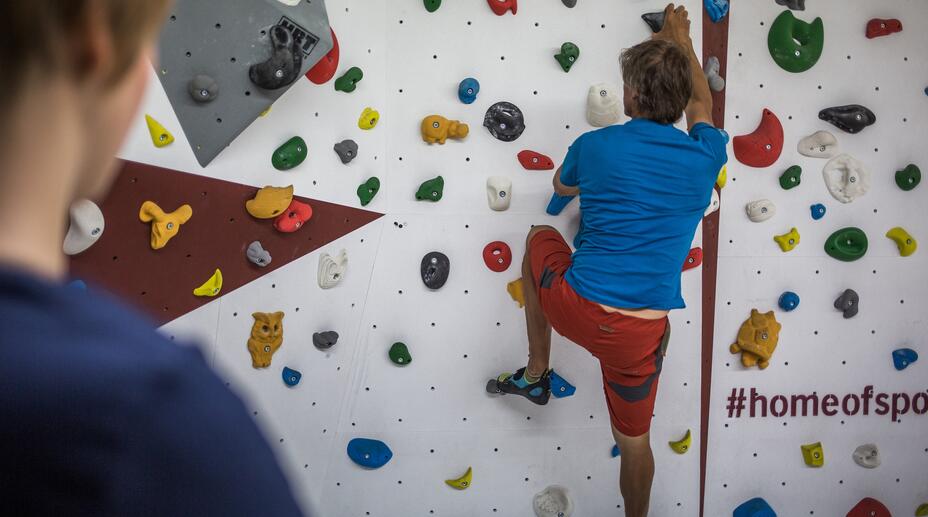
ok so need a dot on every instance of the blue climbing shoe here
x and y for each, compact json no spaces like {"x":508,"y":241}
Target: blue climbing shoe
{"x":514,"y":384}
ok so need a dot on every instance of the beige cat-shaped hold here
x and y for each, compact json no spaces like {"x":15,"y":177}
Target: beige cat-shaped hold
{"x":267,"y":334}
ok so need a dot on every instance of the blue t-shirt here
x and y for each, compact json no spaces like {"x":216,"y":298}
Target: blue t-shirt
{"x":101,"y":416}
{"x":644,"y":188}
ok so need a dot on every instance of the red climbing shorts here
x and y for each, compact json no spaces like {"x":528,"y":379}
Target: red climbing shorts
{"x":630,"y":350}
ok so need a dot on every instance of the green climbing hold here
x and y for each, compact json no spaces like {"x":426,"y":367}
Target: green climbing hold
{"x":399,"y":354}
{"x":791,"y":177}
{"x":568,"y":55}
{"x":289,"y":155}
{"x":431,"y":5}
{"x":908,"y":178}
{"x":847,"y":244}
{"x":794,"y":44}
{"x":349,"y":80}
{"x":368,"y":189}
{"x":431,"y":190}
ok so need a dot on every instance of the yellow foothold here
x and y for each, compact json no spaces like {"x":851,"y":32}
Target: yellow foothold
{"x":813,"y":454}
{"x":922,"y":510}
{"x":269,"y":202}
{"x":515,"y":291}
{"x":211,"y":287}
{"x":462,"y":482}
{"x":265,"y":112}
{"x":369,"y":118}
{"x":788,"y":241}
{"x":164,"y":226}
{"x":159,"y":135}
{"x":723,"y":177}
{"x":682,"y":445}
{"x":905,"y":242}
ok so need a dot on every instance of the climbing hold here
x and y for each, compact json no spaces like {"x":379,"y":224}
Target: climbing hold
{"x":791,"y":177}
{"x":291,"y":377}
{"x":349,"y":80}
{"x":159,"y":135}
{"x":294,"y":217}
{"x":323,"y":71}
{"x":922,"y":510}
{"x":762,"y":147}
{"x":368,"y":189}
{"x":431,"y":5}
{"x":267,"y":334}
{"x":615,"y":452}
{"x":757,"y":339}
{"x":269,"y":202}
{"x":331,"y":269}
{"x":368,"y":453}
{"x":788,"y":301}
{"x":711,"y":71}
{"x":908,"y":178}
{"x":265,"y":112}
{"x":500,"y":7}
{"x":788,"y":241}
{"x":504,"y":121}
{"x":535,"y":161}
{"x":368,"y":119}
{"x":847,"y":244}
{"x":717,"y":9}
{"x":813,"y":454}
{"x":903,"y":357}
{"x":346,"y":150}
{"x":818,"y":211}
{"x":399,"y":354}
{"x":905,"y":242}
{"x":257,"y":255}
{"x":796,"y":5}
{"x":756,"y":507}
{"x":722,"y":178}
{"x":820,"y":144}
{"x":603,"y":105}
{"x":497,"y":256}
{"x":210,"y":287}
{"x":867,"y":456}
{"x":569,"y":3}
{"x":869,"y":507}
{"x":560,"y":388}
{"x":883,"y":27}
{"x":715,"y":202}
{"x":848,"y":303}
{"x":846,"y":178}
{"x":203,"y":89}
{"x":283,"y":66}
{"x":693,"y":259}
{"x":683,"y":444}
{"x":558,"y":203}
{"x":499,"y":192}
{"x":553,"y":501}
{"x":760,"y":210}
{"x":325,"y":340}
{"x":468,"y":90}
{"x":435,"y":268}
{"x":515,"y":291}
{"x":290,"y":154}
{"x":794,"y":44}
{"x":86,"y":226}
{"x":462,"y":482}
{"x":851,"y":118}
{"x":654,"y":20}
{"x":431,"y":190}
{"x":437,"y":129}
{"x":78,"y":285}
{"x":568,"y":55}
{"x":164,"y":226}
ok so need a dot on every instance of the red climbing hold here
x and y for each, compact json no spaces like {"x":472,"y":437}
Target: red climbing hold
{"x":693,"y":259}
{"x":762,"y":147}
{"x":497,"y":256}
{"x":879,"y":27}
{"x":869,"y":507}
{"x":324,"y":70}
{"x":501,"y":6}
{"x":294,"y":217}
{"x":535,"y":161}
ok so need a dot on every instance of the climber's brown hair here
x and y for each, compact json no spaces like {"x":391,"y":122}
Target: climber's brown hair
{"x":659,"y":72}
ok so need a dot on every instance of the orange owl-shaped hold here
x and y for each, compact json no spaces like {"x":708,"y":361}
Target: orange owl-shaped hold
{"x":757,"y":339}
{"x":436,"y":128}
{"x":267,"y":334}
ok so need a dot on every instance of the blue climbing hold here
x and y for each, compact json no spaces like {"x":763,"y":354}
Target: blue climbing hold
{"x":468,"y":90}
{"x":371,"y":454}
{"x":78,"y":284}
{"x":615,"y":451}
{"x":818,"y":211}
{"x":788,"y":301}
{"x":291,"y":376}
{"x":756,"y":507}
{"x":903,"y":357}
{"x":558,"y":203}
{"x":560,"y":388}
{"x":717,"y":9}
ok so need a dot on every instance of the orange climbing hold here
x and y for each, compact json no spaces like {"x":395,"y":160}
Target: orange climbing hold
{"x":164,"y":226}
{"x":269,"y":202}
{"x":500,"y":7}
{"x":762,"y":147}
{"x":515,"y":291}
{"x":757,"y":339}
{"x":437,"y":129}
{"x":535,"y":161}
{"x":267,"y":334}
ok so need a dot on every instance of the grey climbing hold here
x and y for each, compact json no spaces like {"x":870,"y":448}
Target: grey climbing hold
{"x":848,"y":303}
{"x":654,"y":20}
{"x":435,"y":268}
{"x":553,"y":501}
{"x":867,"y":456}
{"x":203,"y":89}
{"x":711,"y":70}
{"x":325,"y":340}
{"x":569,"y":3}
{"x":820,"y":144}
{"x":257,"y":255}
{"x":795,"y":5}
{"x":282,"y":68}
{"x":504,"y":121}
{"x":346,"y":150}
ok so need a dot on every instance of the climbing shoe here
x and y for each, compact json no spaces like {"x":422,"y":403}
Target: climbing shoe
{"x":515,"y":384}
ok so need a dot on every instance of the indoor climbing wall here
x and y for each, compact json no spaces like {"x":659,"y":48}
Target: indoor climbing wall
{"x":830,"y":380}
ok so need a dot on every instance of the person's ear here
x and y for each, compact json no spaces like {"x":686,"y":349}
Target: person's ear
{"x":92,"y":47}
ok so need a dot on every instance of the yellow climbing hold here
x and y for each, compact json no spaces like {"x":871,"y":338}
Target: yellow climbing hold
{"x":922,"y":510}
{"x":788,"y":241}
{"x":265,"y":112}
{"x":369,"y":118}
{"x":164,"y":226}
{"x":269,"y":202}
{"x":682,"y":445}
{"x":462,"y":482}
{"x":905,"y":242}
{"x":159,"y":135}
{"x":515,"y":291}
{"x":211,"y":287}
{"x":813,"y":454}
{"x":723,"y":176}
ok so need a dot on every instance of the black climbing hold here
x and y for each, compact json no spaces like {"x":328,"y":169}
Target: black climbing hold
{"x":851,"y":118}
{"x":796,"y":5}
{"x":325,"y":340}
{"x":203,"y":88}
{"x":848,"y":303}
{"x":346,"y":150}
{"x":435,"y":269}
{"x":505,"y":121}
{"x":654,"y":20}
{"x":569,"y":3}
{"x":283,"y":67}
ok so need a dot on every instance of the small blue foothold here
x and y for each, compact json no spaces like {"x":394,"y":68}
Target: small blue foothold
{"x":717,"y":9}
{"x":788,"y":301}
{"x":756,"y":507}
{"x":78,"y":284}
{"x":818,"y":211}
{"x":468,"y":90}
{"x":903,"y":357}
{"x":291,"y":376}
{"x":558,"y":203}
{"x":615,"y":451}
{"x":560,"y":388}
{"x":371,"y":454}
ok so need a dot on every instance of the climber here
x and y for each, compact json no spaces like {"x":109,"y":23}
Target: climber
{"x":643,"y":187}
{"x":98,"y":414}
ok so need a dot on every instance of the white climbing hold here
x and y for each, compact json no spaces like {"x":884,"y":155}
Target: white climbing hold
{"x":603,"y":105}
{"x":86,"y":227}
{"x":846,"y":178}
{"x":760,"y":210}
{"x":553,"y":501}
{"x":499,"y":192}
{"x":820,"y":144}
{"x":867,"y":456}
{"x":711,"y":70}
{"x":332,"y":269}
{"x":714,"y":204}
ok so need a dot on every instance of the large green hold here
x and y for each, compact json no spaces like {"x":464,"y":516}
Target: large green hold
{"x":909,"y":178}
{"x":431,"y":5}
{"x":568,"y":56}
{"x":791,"y":177}
{"x":399,"y":354}
{"x":368,"y":189}
{"x":794,"y":44}
{"x":349,"y":80}
{"x":431,"y":190}
{"x":289,"y":155}
{"x":847,"y":244}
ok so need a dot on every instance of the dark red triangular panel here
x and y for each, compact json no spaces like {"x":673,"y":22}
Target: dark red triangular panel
{"x":161,"y":282}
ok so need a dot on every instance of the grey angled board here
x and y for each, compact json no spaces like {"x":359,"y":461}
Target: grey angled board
{"x":222,"y":39}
